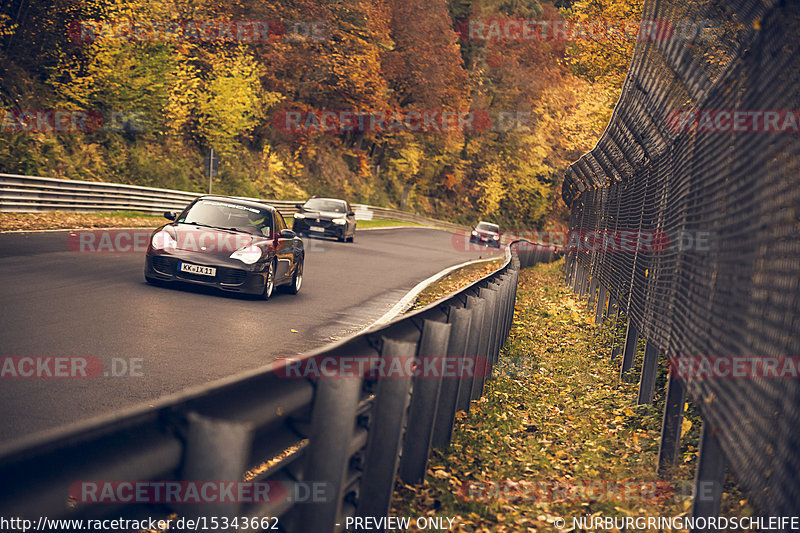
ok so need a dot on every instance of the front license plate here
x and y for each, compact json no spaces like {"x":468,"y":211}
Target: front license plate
{"x":198,"y":269}
{"x":316,"y":228}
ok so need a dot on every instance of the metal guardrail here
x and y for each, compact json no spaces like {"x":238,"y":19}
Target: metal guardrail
{"x":348,"y":436}
{"x":34,"y":194}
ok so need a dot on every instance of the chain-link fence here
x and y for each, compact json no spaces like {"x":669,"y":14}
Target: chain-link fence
{"x":686,"y":216}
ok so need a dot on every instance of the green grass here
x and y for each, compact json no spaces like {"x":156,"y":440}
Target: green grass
{"x":124,"y":214}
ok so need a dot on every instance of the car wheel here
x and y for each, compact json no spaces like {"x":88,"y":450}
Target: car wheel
{"x":269,"y":284}
{"x":297,"y":278}
{"x":353,"y":236}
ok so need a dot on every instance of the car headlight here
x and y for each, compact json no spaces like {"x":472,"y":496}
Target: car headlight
{"x":299,"y":215}
{"x":475,"y":233}
{"x":339,"y":221}
{"x":247,"y":254}
{"x":495,"y":237}
{"x":164,"y":241}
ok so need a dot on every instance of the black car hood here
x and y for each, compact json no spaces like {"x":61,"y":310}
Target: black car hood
{"x":212,"y":241}
{"x":323,"y":215}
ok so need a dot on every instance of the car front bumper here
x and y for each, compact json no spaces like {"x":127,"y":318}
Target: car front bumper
{"x":329,"y":229}
{"x":485,"y":241}
{"x":164,"y":267}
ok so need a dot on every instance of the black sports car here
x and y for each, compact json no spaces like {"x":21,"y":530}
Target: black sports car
{"x":486,"y":233}
{"x":326,"y":217}
{"x":232,"y":244}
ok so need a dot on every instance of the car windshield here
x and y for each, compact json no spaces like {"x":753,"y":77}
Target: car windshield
{"x":485,"y":226}
{"x":229,"y":215}
{"x":321,"y":204}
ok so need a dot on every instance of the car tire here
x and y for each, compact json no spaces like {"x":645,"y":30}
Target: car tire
{"x":297,"y":278}
{"x":269,"y":282}
{"x":352,"y":238}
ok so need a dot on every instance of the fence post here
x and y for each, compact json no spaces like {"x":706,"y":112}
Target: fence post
{"x":459,"y":319}
{"x":671,"y":424}
{"x":647,"y":381}
{"x":601,"y":305}
{"x":333,"y":421}
{"x":576,"y":276}
{"x":631,"y":342}
{"x":424,"y":400}
{"x":592,"y":293}
{"x":581,"y":282}
{"x":709,"y":476}
{"x":613,"y":306}
{"x":385,"y":434}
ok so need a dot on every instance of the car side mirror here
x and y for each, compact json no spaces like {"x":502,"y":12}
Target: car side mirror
{"x":288,"y":234}
{"x":351,"y":214}
{"x":170,"y":215}
{"x":299,"y":206}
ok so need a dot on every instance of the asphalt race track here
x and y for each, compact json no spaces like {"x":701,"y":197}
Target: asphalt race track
{"x":155,"y":341}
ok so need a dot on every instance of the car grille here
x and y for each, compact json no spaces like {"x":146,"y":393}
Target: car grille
{"x":327,"y":224}
{"x":231,"y":276}
{"x":163,"y":264}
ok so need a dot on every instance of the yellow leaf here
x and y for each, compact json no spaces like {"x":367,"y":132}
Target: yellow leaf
{"x":686,"y":425}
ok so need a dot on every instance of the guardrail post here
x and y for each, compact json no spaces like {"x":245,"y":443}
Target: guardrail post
{"x":601,"y":305}
{"x":671,"y":424}
{"x":216,"y":450}
{"x":498,"y":285}
{"x":473,"y":351}
{"x":333,"y":420}
{"x":386,"y":433}
{"x":647,"y":381}
{"x":511,"y":285}
{"x":424,"y":400}
{"x":631,"y":341}
{"x":490,"y":330}
{"x":482,"y":335}
{"x":459,"y":319}
{"x":709,"y":476}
